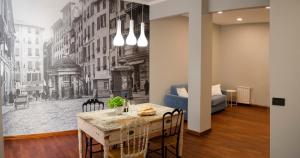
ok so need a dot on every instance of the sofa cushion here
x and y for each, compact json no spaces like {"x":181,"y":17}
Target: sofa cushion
{"x":182,"y":92}
{"x":173,"y":89}
{"x":217,"y":99}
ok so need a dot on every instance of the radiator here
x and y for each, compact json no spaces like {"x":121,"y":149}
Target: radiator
{"x":243,"y":95}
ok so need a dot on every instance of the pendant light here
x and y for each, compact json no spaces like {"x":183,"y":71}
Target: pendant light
{"x":119,"y":40}
{"x":131,"y":39}
{"x":142,"y":41}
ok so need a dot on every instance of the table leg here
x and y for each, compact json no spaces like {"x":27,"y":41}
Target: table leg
{"x":181,"y":138}
{"x":80,"y":142}
{"x":106,"y":147}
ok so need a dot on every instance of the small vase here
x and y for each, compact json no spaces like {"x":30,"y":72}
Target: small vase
{"x":119,"y":110}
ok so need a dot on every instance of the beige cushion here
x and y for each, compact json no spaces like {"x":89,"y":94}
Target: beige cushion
{"x":216,"y":90}
{"x":182,"y":92}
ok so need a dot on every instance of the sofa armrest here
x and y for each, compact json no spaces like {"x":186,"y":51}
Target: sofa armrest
{"x":175,"y":101}
{"x":224,"y":92}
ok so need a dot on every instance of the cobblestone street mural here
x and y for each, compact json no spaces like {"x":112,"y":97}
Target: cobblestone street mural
{"x":51,"y":65}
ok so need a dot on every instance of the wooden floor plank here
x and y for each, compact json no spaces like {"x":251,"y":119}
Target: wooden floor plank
{"x":242,"y":132}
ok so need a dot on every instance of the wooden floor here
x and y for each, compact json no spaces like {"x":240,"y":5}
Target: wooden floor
{"x":241,"y":132}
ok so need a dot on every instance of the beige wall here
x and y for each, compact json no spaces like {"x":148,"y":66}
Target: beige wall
{"x":285,"y":78}
{"x":241,"y":54}
{"x":168,"y":55}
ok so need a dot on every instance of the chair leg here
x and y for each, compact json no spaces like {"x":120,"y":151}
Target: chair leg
{"x":166,"y":152}
{"x":86,"y":146}
{"x":91,"y":147}
{"x":163,"y":152}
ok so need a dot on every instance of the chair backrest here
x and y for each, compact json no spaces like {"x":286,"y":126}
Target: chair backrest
{"x":172,"y":122}
{"x":92,"y":105}
{"x":134,"y":139}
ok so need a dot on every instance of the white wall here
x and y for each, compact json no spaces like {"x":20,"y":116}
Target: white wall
{"x":199,"y":105}
{"x":169,"y":55}
{"x":199,"y":91}
{"x":285,"y":78}
{"x":241,"y":58}
{"x":218,"y":5}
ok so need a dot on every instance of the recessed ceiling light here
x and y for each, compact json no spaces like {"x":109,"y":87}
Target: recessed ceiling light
{"x":268,"y":7}
{"x":239,"y":19}
{"x":220,"y":12}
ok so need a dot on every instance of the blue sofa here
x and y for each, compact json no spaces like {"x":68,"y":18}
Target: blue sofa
{"x":218,"y":103}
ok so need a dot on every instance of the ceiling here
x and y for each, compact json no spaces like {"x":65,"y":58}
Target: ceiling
{"x":147,"y":2}
{"x":254,"y":15}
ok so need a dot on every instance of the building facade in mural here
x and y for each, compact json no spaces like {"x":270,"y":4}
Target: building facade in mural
{"x":88,"y":42}
{"x":29,"y":71}
{"x":7,"y":58}
{"x":53,"y":78}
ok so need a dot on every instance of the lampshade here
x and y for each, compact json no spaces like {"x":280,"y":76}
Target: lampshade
{"x":142,"y":41}
{"x":131,"y":39}
{"x":118,"y":40}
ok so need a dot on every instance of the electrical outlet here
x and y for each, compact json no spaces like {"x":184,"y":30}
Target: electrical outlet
{"x":278,"y":101}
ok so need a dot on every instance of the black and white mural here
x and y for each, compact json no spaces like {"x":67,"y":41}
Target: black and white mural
{"x":56,"y":54}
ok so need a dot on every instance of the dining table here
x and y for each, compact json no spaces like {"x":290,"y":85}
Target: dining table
{"x":104,"y":125}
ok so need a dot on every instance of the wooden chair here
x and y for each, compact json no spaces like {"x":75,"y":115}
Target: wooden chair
{"x":171,"y":130}
{"x":133,"y":140}
{"x":88,"y":106}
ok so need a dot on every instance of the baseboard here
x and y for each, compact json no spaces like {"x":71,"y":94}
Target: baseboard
{"x":260,"y":106}
{"x":42,"y":135}
{"x":198,"y":133}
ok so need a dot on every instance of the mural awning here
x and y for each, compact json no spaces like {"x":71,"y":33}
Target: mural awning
{"x":137,"y":62}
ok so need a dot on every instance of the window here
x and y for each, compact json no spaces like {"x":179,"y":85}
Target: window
{"x":89,"y":30}
{"x":89,"y":52}
{"x":37,"y":31}
{"x":93,"y":50}
{"x":104,"y":63}
{"x":29,"y":30}
{"x":35,"y":76}
{"x":104,"y":4}
{"x":113,"y":62}
{"x":37,"y":41}
{"x":112,"y":24}
{"x":98,"y":7}
{"x":18,"y":77}
{"x":98,"y":23}
{"x":98,"y":64}
{"x":18,"y":66}
{"x":105,"y":85}
{"x":29,"y":52}
{"x":92,"y":9}
{"x":103,"y":20}
{"x":104,"y":45}
{"x":94,"y":73}
{"x":29,"y":41}
{"x":93,"y":29}
{"x":29,"y":65}
{"x":98,"y":45}
{"x":17,"y":53}
{"x":37,"y":65}
{"x":28,"y":77}
{"x":37,"y":53}
{"x":122,"y":5}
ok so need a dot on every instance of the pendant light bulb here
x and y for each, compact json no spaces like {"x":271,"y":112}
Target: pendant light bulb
{"x":131,"y":39}
{"x":142,"y":41}
{"x":119,"y":40}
